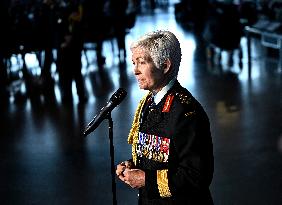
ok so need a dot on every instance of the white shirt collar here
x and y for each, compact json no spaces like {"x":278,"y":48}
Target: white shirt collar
{"x":159,"y":96}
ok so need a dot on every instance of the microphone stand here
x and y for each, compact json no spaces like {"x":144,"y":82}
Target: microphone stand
{"x":105,"y":113}
{"x":112,"y":154}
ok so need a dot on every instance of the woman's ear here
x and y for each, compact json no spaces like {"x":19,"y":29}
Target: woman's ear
{"x":167,"y":66}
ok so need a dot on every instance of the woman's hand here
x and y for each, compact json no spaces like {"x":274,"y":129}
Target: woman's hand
{"x":122,"y":166}
{"x":133,"y":177}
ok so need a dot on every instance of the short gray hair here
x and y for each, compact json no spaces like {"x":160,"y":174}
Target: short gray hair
{"x":161,"y":46}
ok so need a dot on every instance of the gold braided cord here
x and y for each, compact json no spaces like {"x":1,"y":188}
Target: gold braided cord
{"x":162,"y":181}
{"x":133,"y":134}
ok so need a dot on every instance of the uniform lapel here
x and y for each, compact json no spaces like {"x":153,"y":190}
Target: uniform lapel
{"x":154,"y":116}
{"x":158,"y":114}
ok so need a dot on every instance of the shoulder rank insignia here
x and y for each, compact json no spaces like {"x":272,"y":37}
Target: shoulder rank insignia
{"x":189,"y":114}
{"x":168,"y":103}
{"x":183,"y":98}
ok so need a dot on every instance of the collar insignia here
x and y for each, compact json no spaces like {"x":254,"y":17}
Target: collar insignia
{"x":168,"y":103}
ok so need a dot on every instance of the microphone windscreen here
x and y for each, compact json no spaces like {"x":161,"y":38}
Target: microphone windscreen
{"x":118,"y":96}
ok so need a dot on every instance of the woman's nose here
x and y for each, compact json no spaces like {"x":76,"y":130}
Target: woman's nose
{"x":136,"y":69}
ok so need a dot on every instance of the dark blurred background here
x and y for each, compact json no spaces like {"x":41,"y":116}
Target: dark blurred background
{"x":61,"y":60}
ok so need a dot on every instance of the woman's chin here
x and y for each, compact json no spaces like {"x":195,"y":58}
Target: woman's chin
{"x":141,"y":86}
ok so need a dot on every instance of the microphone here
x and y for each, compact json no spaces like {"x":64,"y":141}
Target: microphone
{"x":114,"y":101}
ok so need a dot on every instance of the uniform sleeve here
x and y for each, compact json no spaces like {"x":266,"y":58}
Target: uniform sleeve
{"x":190,"y":146}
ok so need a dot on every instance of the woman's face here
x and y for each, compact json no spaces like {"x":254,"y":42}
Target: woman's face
{"x":145,"y":71}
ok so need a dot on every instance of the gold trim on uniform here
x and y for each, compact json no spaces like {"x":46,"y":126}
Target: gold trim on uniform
{"x":134,"y":131}
{"x":162,"y":181}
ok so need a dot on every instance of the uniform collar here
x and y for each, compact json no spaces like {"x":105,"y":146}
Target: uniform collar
{"x":159,"y":95}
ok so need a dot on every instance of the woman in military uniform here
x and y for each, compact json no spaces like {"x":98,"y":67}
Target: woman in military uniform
{"x":172,"y":151}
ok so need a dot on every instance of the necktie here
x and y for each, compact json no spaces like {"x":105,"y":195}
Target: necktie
{"x":150,"y":105}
